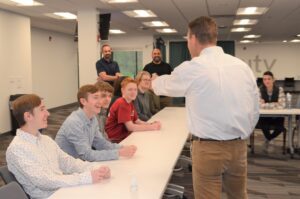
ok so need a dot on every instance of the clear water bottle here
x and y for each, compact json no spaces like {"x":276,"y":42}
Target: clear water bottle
{"x":134,"y":187}
{"x":288,"y":100}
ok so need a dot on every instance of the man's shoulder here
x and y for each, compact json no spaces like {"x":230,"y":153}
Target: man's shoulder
{"x":99,"y":62}
{"x":148,"y":65}
{"x":119,"y":102}
{"x":14,"y":145}
{"x":165,"y":64}
{"x":74,"y":119}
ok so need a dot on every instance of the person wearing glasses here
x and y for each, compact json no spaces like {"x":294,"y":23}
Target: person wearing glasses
{"x":142,"y":101}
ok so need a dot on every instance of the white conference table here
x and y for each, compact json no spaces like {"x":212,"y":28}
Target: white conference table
{"x":289,"y":113}
{"x":151,"y":167}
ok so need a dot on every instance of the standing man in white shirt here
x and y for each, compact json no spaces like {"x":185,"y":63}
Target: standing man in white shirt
{"x":222,"y":110}
{"x":37,"y":162}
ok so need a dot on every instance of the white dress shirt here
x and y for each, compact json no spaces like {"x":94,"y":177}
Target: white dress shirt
{"x":222,"y":98}
{"x":41,"y":167}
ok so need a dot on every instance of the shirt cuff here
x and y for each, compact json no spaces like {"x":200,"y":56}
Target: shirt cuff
{"x":86,"y":178}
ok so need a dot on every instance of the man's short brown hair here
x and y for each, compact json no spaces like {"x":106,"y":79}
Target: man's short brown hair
{"x":25,"y":103}
{"x":104,"y":86}
{"x":84,"y":91}
{"x":126,"y":81}
{"x":205,"y":30}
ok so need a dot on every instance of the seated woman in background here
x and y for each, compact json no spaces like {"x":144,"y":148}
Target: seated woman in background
{"x":154,"y":102}
{"x":271,"y":97}
{"x":142,"y":101}
{"x":122,"y":118}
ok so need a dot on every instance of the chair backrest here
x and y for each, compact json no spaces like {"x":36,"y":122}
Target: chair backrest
{"x":12,"y":191}
{"x":259,"y":81}
{"x":6,"y":175}
{"x":289,"y":82}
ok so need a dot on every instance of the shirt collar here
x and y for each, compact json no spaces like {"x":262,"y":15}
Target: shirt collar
{"x":83,"y":117}
{"x":28,"y":137}
{"x":109,"y":61}
{"x":212,"y":49}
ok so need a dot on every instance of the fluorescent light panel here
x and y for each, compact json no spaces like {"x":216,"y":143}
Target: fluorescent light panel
{"x":240,"y":29}
{"x":156,"y":24}
{"x":116,"y":31}
{"x":246,"y":41}
{"x":65,"y":15}
{"x":166,"y":30}
{"x":295,"y":40}
{"x":140,"y":13}
{"x":119,"y":1}
{"x":252,"y":36}
{"x":244,"y":22}
{"x":26,"y":3}
{"x":252,"y":11}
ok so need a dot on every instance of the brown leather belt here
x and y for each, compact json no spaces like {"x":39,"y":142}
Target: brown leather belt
{"x":195,"y":138}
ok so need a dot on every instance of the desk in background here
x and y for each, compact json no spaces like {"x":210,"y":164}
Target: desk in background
{"x":152,"y":165}
{"x":289,"y":113}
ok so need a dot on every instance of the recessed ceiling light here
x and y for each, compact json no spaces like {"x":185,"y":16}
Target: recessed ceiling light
{"x":119,"y":1}
{"x":284,"y":41}
{"x":166,"y":30}
{"x":65,"y":15}
{"x":240,"y":29}
{"x":116,"y":31}
{"x":252,"y":36}
{"x":26,"y":3}
{"x":244,"y":22}
{"x":246,"y":41}
{"x":139,"y":13}
{"x":252,"y":11}
{"x":155,"y":24}
{"x":222,"y":26}
{"x":295,"y":40}
{"x":298,"y":35}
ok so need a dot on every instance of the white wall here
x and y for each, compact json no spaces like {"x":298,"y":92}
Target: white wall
{"x":87,"y":44}
{"x":280,"y":58}
{"x":15,"y":61}
{"x":127,"y":42}
{"x":54,"y":67}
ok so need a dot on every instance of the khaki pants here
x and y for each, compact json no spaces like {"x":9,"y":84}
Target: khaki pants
{"x":216,"y":163}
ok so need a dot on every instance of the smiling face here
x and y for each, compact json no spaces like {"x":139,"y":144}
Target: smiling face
{"x":91,"y":104}
{"x":129,"y":91}
{"x":145,"y":82}
{"x":38,"y":118}
{"x":106,"y":52}
{"x":105,"y":98}
{"x":156,"y":56}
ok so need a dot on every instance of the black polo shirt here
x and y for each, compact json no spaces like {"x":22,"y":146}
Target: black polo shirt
{"x":160,"y":69}
{"x":110,"y":67}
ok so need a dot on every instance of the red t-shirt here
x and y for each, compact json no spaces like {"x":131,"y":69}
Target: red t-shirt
{"x":120,"y":112}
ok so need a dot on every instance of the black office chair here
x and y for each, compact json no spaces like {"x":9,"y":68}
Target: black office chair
{"x":289,"y":82}
{"x":259,"y":81}
{"x":12,"y":191}
{"x":6,"y":175}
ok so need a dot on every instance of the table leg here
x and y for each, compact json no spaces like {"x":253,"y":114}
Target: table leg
{"x":290,"y":135}
{"x":298,"y":131}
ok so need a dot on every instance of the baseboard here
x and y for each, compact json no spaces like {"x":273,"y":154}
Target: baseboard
{"x":63,"y":106}
{"x":50,"y":110}
{"x":5,"y":134}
